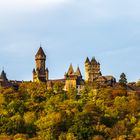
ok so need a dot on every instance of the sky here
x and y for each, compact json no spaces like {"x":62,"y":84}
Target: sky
{"x":69,"y":31}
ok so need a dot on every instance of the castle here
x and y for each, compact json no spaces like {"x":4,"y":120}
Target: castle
{"x":72,"y":79}
{"x":41,"y":73}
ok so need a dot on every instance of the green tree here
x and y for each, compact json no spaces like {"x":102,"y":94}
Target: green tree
{"x":123,"y":79}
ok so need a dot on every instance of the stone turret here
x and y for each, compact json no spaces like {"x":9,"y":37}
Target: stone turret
{"x":47,"y":74}
{"x":3,"y":79}
{"x":73,"y":79}
{"x":87,"y":60}
{"x":3,"y":76}
{"x":41,"y":73}
{"x":87,"y":68}
{"x":92,"y":69}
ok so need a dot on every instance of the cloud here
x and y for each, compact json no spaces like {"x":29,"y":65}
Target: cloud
{"x":31,"y":2}
{"x":8,"y":5}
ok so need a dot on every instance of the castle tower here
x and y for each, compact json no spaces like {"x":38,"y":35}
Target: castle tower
{"x":3,"y":79}
{"x":92,"y":69}
{"x":73,"y":79}
{"x":87,"y":69}
{"x":3,"y":76}
{"x":41,"y":73}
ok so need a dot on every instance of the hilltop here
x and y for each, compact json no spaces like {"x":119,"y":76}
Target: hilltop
{"x":34,"y":111}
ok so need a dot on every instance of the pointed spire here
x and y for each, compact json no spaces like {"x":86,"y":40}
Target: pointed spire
{"x":47,"y":69}
{"x":87,"y":60}
{"x":70,"y":71}
{"x":3,"y":76}
{"x":34,"y":71}
{"x":65,"y":75}
{"x":40,"y":52}
{"x":93,"y":60}
{"x":40,"y":45}
{"x":78,"y":72}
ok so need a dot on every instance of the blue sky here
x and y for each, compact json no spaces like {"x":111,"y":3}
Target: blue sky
{"x":69,"y":31}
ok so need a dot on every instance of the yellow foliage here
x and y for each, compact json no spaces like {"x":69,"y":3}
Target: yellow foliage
{"x":1,"y":99}
{"x":29,"y":117}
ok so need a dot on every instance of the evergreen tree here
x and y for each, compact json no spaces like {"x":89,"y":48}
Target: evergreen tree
{"x":123,"y":79}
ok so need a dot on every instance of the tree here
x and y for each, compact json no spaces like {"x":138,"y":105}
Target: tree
{"x":38,"y":113}
{"x":138,"y":83}
{"x":123,"y":79}
{"x":68,"y":136}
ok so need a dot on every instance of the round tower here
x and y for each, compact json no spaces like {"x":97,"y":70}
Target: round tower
{"x":40,"y":59}
{"x":40,"y":73}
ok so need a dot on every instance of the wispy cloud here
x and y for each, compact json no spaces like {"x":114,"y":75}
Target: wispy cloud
{"x":25,"y":4}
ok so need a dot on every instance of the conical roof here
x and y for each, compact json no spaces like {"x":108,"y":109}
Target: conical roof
{"x":93,"y":60}
{"x":40,"y":52}
{"x":34,"y":71}
{"x":3,"y":76}
{"x":47,"y":69}
{"x":78,"y":72}
{"x":70,"y":71}
{"x":87,"y":60}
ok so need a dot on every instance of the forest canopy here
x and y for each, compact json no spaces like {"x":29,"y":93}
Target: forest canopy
{"x":34,"y":112}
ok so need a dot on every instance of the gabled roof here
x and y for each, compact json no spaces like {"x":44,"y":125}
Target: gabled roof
{"x":78,"y":72}
{"x":70,"y":71}
{"x":40,"y":52}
